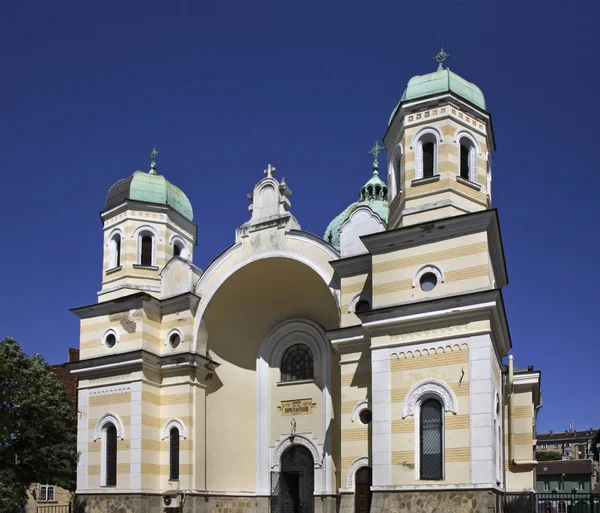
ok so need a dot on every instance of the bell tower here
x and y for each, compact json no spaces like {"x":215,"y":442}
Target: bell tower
{"x":439,"y":144}
{"x":146,"y":221}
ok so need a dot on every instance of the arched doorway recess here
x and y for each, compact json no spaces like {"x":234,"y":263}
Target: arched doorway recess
{"x":294,"y":485}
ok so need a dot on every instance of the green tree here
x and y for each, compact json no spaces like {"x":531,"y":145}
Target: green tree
{"x":38,"y":433}
{"x":547,"y":455}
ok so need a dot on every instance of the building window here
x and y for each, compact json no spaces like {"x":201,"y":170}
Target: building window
{"x":568,"y":445}
{"x":464,"y":162}
{"x":173,"y":454}
{"x":581,"y":485}
{"x":46,"y":493}
{"x":428,"y":282}
{"x":110,"y":339}
{"x":428,"y":159}
{"x":176,"y":249}
{"x":544,"y":446}
{"x":297,"y":363}
{"x":556,"y":446}
{"x":146,"y":252}
{"x":110,"y":470}
{"x":175,"y":339}
{"x":432,"y":431}
{"x":362,"y":306}
{"x":546,"y":486}
{"x":365,"y":416}
{"x":114,"y":251}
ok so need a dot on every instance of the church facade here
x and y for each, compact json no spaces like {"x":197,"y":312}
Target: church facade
{"x":362,"y":371}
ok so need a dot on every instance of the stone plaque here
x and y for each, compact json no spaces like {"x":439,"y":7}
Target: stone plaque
{"x":296,"y":407}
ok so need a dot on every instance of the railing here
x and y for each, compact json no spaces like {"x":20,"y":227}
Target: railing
{"x":53,"y":508}
{"x":552,"y":503}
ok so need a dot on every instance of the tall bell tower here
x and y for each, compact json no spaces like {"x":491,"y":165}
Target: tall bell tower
{"x":439,"y":144}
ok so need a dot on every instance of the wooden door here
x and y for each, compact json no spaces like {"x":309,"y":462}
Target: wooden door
{"x":362,"y":490}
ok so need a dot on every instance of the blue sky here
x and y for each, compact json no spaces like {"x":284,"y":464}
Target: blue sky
{"x":224,"y":88}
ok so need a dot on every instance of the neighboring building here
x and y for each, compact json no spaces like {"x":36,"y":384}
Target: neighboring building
{"x":565,"y":476}
{"x":47,"y":498}
{"x":297,"y":374}
{"x":572,"y":445}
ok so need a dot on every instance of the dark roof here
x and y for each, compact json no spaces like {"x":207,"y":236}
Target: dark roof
{"x":569,"y":436}
{"x":118,"y":193}
{"x":552,"y":468}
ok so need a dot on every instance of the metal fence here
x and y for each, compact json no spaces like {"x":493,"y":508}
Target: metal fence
{"x":551,"y":503}
{"x":53,"y":508}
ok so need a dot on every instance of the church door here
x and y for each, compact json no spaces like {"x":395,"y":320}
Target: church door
{"x":362,"y":490}
{"x":297,"y":480}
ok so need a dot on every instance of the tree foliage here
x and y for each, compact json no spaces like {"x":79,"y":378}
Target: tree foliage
{"x":38,"y":427}
{"x":548,"y":455}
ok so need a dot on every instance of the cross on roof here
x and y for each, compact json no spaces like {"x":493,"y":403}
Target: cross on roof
{"x":153,"y":156}
{"x":440,"y":58}
{"x":269,"y":171}
{"x":375,"y":151}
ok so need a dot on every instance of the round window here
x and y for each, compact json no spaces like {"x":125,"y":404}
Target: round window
{"x":428,"y":282}
{"x":365,"y":416}
{"x":174,"y":340}
{"x":110,"y":340}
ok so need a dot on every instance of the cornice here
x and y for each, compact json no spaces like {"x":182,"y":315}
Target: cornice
{"x":351,"y":266}
{"x":139,"y":359}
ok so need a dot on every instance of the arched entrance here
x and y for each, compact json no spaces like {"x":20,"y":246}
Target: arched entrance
{"x":294,"y":490}
{"x":362,"y":490}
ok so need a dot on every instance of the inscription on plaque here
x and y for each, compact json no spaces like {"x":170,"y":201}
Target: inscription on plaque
{"x":296,"y":407}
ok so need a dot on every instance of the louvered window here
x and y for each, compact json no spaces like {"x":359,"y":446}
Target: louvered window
{"x":297,"y":363}
{"x":464,"y":161}
{"x":432,"y":433}
{"x":146,"y":256}
{"x":173,"y":454}
{"x":428,"y":153}
{"x":111,"y":455}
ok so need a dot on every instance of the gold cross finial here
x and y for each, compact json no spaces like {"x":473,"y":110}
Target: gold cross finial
{"x":153,"y":156}
{"x":269,"y":171}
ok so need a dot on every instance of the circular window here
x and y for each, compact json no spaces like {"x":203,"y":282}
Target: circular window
{"x":362,"y":306}
{"x":175,"y":340}
{"x":365,"y":416}
{"x":428,"y":282}
{"x":110,"y":340}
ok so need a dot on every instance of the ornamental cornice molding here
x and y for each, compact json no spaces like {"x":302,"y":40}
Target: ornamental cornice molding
{"x":435,"y":331}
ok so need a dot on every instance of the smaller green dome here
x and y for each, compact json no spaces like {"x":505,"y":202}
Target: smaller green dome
{"x":441,"y":81}
{"x":373,"y":194}
{"x":150,"y":188}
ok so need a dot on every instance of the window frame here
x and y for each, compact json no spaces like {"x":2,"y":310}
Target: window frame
{"x":423,"y":400}
{"x":140,"y":233}
{"x":174,"y":453}
{"x":292,"y":347}
{"x":105,"y":456}
{"x":176,"y":240}
{"x":395,"y":172}
{"x":465,"y":138}
{"x":45,"y":489}
{"x":425,"y":135}
{"x":115,"y":249}
{"x":108,"y":332}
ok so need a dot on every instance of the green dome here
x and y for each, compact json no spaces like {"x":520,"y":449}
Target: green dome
{"x":441,"y":81}
{"x":150,"y":188}
{"x":373,"y":194}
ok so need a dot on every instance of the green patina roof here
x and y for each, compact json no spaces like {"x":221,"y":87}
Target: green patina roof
{"x":150,"y":188}
{"x":441,"y":81}
{"x":373,"y":194}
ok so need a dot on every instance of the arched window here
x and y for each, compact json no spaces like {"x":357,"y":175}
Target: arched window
{"x":114,"y":251}
{"x":428,"y":159}
{"x":176,"y":249}
{"x":173,"y":454}
{"x":146,"y":250}
{"x":297,"y":363}
{"x":110,"y":455}
{"x":464,"y":162}
{"x":432,"y":434}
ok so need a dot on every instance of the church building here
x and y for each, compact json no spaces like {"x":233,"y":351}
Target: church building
{"x":367,"y":370}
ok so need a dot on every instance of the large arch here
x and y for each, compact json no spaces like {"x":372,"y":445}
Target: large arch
{"x":244,"y":302}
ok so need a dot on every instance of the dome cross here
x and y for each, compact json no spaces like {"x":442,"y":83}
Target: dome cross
{"x":375,"y":151}
{"x":153,"y":156}
{"x":440,"y":58}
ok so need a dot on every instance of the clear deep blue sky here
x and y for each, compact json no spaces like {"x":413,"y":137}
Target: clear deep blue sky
{"x":224,"y":88}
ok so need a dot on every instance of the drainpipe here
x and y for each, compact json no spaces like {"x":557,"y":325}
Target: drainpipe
{"x":511,"y":417}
